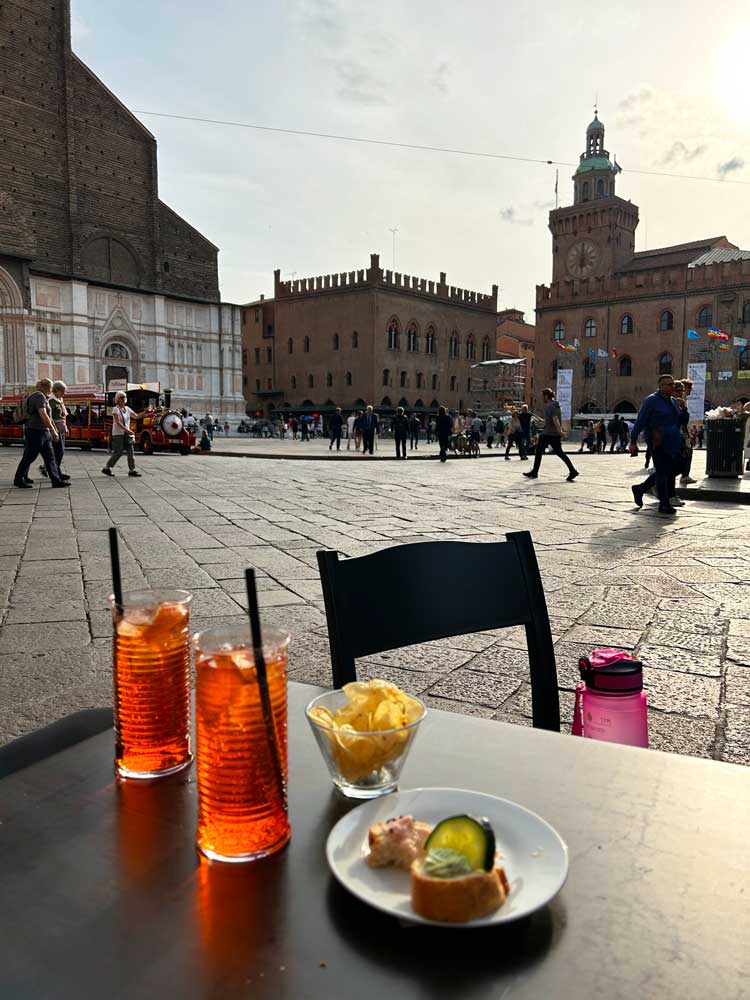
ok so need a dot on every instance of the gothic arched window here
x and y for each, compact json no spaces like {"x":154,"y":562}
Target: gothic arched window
{"x":558,"y":330}
{"x":429,"y":345}
{"x":746,"y":313}
{"x":626,"y":366}
{"x":386,"y":376}
{"x":412,"y":338}
{"x":706,"y":316}
{"x":586,"y":191}
{"x":666,"y":321}
{"x":626,"y":324}
{"x":589,"y":328}
{"x":435,"y":382}
{"x":420,"y":380}
{"x":600,"y":188}
{"x":393,"y":335}
{"x":402,"y":380}
{"x":486,"y":349}
{"x":471,"y":351}
{"x":453,"y":345}
{"x":665,"y":363}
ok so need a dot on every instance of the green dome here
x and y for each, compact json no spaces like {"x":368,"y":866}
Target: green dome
{"x":594,"y":163}
{"x":595,"y":126}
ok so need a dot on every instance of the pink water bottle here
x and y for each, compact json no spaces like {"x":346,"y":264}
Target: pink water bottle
{"x":610,"y":700}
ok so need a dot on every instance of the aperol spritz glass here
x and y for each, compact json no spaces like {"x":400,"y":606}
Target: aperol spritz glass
{"x":151,"y":654}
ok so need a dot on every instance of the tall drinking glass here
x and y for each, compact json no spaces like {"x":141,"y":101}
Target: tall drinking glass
{"x":242,"y":813}
{"x":151,"y":650}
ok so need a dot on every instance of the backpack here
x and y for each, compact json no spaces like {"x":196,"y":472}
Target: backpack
{"x":21,"y":411}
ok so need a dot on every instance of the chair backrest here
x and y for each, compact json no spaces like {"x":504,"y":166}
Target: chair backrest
{"x":29,"y":749}
{"x":432,"y":590}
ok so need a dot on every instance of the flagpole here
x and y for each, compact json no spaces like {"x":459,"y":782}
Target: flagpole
{"x":557,"y":177}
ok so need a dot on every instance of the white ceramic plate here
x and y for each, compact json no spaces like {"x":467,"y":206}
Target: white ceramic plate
{"x":533,"y":854}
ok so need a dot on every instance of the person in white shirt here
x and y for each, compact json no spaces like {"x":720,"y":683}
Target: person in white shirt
{"x":350,"y":429}
{"x":122,"y":437}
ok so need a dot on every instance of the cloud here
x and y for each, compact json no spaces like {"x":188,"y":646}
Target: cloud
{"x":730,"y":166}
{"x":634,"y":107}
{"x":439,"y":79}
{"x":678,"y":152}
{"x":359,"y":85}
{"x":511,"y":216}
{"x":544,"y":206}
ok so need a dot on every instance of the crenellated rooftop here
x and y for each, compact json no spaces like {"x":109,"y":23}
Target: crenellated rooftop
{"x":666,"y":281}
{"x":374,"y":277}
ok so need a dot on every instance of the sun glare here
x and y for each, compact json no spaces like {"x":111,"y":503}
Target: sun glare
{"x":730,"y":75}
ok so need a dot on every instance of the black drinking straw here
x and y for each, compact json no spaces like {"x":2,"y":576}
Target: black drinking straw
{"x":260,"y":669}
{"x":114,"y":555}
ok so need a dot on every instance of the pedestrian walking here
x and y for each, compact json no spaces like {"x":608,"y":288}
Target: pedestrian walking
{"x":350,"y":429}
{"x":552,"y":435}
{"x":588,"y":437}
{"x":625,"y":429}
{"x":293,"y":427}
{"x":613,"y":427}
{"x":226,"y":428}
{"x":358,"y":430}
{"x":208,"y":423}
{"x":401,"y":427}
{"x":59,"y":413}
{"x":659,"y":420}
{"x":601,"y":436}
{"x":335,"y":429}
{"x":686,"y":437}
{"x":514,"y":436}
{"x":123,"y":438}
{"x":431,"y":430}
{"x":304,"y":427}
{"x":489,"y":430}
{"x":443,"y":429}
{"x":39,"y":435}
{"x":414,"y":428}
{"x":525,"y":418}
{"x":370,"y":425}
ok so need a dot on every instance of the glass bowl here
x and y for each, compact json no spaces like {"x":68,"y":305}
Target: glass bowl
{"x":362,"y":765}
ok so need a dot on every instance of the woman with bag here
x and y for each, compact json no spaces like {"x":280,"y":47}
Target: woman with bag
{"x":122,"y":437}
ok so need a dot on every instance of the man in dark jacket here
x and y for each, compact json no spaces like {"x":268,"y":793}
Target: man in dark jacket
{"x":444,"y":429}
{"x":414,"y":428}
{"x":336,"y":426}
{"x":660,"y":419}
{"x":614,"y":431}
{"x":400,"y":426}
{"x":370,"y":426}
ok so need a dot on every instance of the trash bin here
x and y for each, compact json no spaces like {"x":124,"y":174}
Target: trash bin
{"x":724,"y":447}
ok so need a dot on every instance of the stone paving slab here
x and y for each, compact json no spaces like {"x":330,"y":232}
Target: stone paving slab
{"x":673,"y":591}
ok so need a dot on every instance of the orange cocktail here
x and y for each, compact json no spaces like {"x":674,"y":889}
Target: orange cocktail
{"x":242,"y":812}
{"x":151,"y":649}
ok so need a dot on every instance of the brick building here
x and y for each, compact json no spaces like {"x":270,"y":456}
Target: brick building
{"x":635,"y":307}
{"x":98,"y":277}
{"x":515,"y":338}
{"x":367,"y":336}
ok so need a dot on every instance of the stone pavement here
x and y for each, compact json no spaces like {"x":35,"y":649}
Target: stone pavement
{"x":674,"y":590}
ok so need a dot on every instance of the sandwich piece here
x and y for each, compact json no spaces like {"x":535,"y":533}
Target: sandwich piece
{"x":398,"y":842}
{"x":445,"y":887}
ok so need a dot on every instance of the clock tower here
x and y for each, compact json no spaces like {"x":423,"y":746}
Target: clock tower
{"x":595,"y":235}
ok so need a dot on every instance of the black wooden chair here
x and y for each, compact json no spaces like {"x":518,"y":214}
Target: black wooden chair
{"x":29,"y":749}
{"x":407,"y":594}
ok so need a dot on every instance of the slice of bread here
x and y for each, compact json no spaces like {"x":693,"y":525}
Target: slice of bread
{"x":457,"y":900}
{"x":397,"y":842}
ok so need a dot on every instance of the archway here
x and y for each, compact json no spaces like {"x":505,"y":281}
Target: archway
{"x":625,"y":406}
{"x":114,"y":370}
{"x":12,"y":340}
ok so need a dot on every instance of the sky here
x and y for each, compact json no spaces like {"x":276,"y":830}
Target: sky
{"x":514,"y":77}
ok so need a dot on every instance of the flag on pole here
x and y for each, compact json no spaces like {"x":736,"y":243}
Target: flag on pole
{"x":602,"y":353}
{"x":723,"y":334}
{"x":576,"y":343}
{"x":557,"y":177}
{"x":692,"y":335}
{"x":615,"y":353}
{"x":724,"y":347}
{"x":740,"y":341}
{"x":714,"y":334}
{"x":592,"y":352}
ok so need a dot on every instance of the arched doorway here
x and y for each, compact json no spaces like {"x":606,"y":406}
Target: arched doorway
{"x":116,"y":363}
{"x":12,"y":341}
{"x":625,"y":406}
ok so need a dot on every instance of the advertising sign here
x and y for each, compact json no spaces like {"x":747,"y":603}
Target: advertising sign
{"x":697,"y":399}
{"x":565,"y":391}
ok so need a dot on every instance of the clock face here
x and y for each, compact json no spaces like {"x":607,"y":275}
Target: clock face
{"x":582,"y":259}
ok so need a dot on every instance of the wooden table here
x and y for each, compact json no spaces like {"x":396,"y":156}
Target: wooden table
{"x":102,"y":894}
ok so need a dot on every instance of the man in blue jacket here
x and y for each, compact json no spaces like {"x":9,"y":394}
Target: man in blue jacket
{"x":659,"y":419}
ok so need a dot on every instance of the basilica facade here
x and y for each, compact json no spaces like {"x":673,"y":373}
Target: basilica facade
{"x":99,"y":279}
{"x":623,"y":317}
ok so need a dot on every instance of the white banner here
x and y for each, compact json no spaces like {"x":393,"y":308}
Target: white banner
{"x":697,"y":399}
{"x":565,"y":391}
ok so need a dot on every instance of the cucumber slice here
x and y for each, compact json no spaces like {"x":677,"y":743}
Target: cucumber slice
{"x":471,"y":836}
